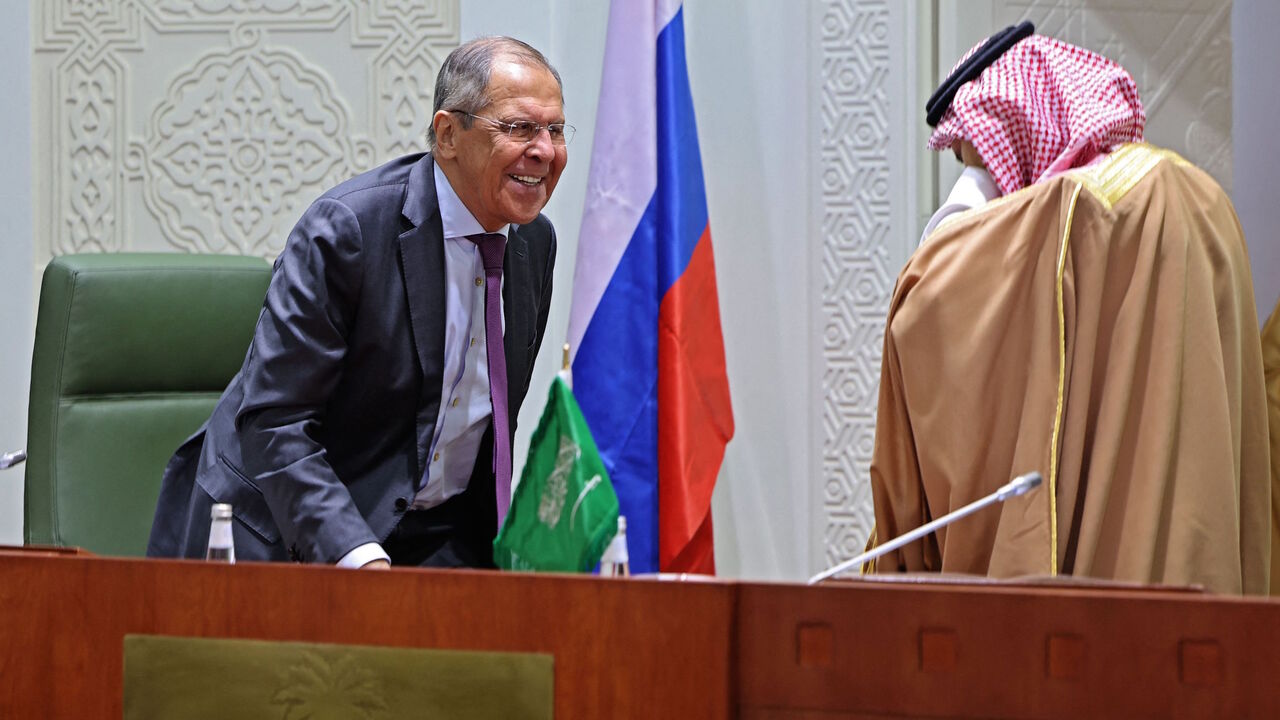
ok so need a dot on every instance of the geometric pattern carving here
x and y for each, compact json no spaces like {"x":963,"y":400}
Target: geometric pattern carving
{"x":859,"y":263}
{"x":237,"y":139}
{"x":1179,"y":56}
{"x":205,"y":125}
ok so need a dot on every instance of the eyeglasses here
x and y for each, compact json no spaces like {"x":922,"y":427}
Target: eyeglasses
{"x":526,"y":131}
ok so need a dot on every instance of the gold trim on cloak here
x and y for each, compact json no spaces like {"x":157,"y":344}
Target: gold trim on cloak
{"x":1059,"y":406}
{"x":869,"y":567}
{"x":1108,"y":181}
{"x":1113,"y":178}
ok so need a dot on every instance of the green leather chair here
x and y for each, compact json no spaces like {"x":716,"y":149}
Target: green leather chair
{"x":131,"y":353}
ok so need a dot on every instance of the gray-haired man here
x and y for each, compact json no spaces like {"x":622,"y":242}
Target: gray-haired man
{"x":361,"y":428}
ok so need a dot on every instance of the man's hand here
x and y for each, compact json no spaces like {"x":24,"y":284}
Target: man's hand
{"x":376,"y":565}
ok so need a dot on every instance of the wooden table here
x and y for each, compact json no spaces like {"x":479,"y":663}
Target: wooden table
{"x":650,"y":648}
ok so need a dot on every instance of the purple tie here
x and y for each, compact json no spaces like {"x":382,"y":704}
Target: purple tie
{"x":492,"y":249}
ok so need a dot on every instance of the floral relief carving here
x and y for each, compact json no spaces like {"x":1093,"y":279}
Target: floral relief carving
{"x":241,"y":139}
{"x":90,"y":13}
{"x":406,"y":95}
{"x":414,"y":37}
{"x":329,"y":684}
{"x":1180,"y":57}
{"x":90,"y":196}
{"x":205,"y":125}
{"x":238,"y":8}
{"x":399,"y":7}
{"x":89,"y":10}
{"x":1208,"y":136}
{"x":420,"y":18}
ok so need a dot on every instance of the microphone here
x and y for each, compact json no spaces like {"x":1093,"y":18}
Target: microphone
{"x":10,"y":459}
{"x":1015,"y":487}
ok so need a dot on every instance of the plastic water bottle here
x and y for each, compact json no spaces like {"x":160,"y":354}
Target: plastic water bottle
{"x":614,"y":561}
{"x":221,"y":547}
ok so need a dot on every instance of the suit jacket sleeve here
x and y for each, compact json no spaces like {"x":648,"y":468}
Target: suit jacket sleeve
{"x":295,"y":363}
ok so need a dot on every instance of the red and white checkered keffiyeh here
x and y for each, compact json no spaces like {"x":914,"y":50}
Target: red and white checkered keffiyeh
{"x":1042,"y":108}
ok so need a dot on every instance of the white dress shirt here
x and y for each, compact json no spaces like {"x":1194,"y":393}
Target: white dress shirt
{"x":464,"y":393}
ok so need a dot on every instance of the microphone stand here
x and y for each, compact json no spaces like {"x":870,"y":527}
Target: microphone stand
{"x":1013,"y":488}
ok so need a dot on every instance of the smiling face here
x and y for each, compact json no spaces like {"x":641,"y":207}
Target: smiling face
{"x":500,"y":179}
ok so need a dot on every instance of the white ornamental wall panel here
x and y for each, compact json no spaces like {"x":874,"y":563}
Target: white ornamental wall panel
{"x":208,"y":125}
{"x":866,"y":57}
{"x":1178,"y":52}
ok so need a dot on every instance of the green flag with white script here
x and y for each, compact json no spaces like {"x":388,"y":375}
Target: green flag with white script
{"x":564,"y":511}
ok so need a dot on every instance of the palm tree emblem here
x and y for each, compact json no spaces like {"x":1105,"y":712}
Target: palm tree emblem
{"x":319,"y":687}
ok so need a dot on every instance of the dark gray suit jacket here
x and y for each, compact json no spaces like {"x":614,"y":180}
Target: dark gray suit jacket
{"x":321,"y":440}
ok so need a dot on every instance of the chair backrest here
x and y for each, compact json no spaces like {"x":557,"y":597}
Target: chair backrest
{"x":132,"y":351}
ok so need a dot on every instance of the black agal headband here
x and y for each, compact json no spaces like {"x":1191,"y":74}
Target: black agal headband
{"x":989,"y":52}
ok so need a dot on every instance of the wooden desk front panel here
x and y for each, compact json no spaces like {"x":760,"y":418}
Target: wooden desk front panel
{"x":623,"y":649}
{"x":875,"y":649}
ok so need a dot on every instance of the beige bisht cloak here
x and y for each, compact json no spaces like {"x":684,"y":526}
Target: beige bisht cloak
{"x":1098,"y":327}
{"x":1271,"y":367}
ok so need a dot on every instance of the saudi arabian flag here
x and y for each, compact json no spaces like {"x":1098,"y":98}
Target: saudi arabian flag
{"x":564,"y":511}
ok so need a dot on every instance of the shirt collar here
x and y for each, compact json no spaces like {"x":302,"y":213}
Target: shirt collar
{"x":974,"y":188}
{"x":454,"y":216}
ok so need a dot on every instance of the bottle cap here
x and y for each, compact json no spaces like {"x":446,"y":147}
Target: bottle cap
{"x":221,"y":511}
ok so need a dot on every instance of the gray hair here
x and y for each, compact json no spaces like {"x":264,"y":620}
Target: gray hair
{"x":463,"y":82}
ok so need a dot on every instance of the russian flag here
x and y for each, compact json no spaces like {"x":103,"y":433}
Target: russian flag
{"x":644,"y":326}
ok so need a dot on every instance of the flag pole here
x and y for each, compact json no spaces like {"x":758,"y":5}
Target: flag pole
{"x":564,"y":368}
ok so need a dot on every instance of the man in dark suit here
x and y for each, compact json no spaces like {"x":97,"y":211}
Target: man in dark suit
{"x":361,"y":428}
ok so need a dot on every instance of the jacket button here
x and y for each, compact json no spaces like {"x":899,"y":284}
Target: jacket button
{"x":401,"y":504}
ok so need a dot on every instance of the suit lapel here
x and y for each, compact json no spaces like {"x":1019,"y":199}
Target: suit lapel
{"x":422,"y":266}
{"x":517,"y":307}
{"x":423,"y":272}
